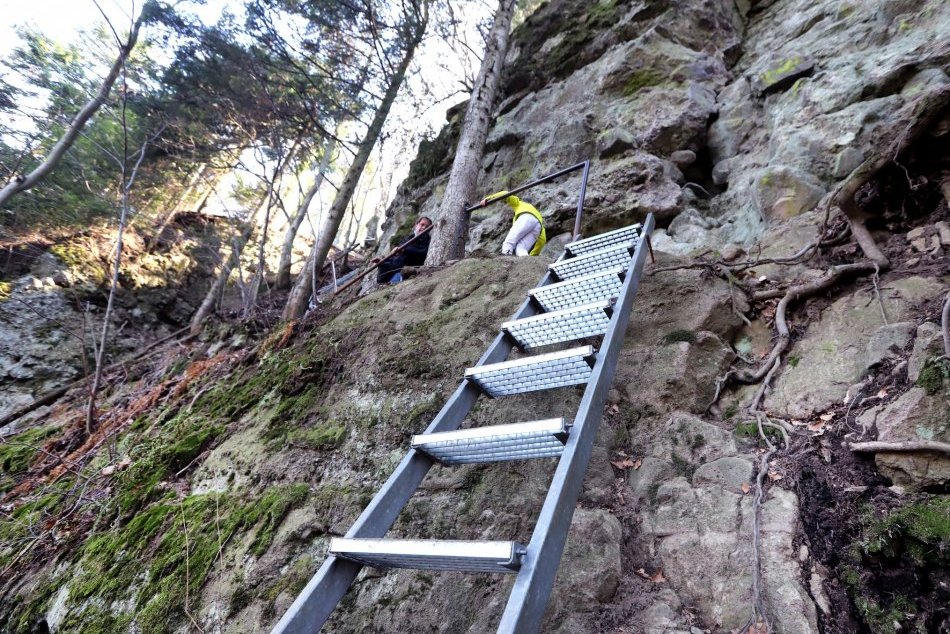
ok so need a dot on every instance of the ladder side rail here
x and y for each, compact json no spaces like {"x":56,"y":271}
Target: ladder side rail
{"x":326,"y":588}
{"x":532,"y":588}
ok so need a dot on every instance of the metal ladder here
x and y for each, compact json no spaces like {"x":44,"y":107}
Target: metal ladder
{"x":587,"y":292}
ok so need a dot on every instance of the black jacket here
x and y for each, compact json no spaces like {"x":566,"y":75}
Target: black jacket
{"x":412,"y":255}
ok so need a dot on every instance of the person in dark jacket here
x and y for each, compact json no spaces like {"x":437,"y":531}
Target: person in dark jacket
{"x":411,"y":254}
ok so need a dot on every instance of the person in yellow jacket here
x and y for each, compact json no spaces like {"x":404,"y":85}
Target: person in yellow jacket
{"x":526,"y":236}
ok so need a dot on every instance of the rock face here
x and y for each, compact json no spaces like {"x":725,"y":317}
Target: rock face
{"x":61,"y":299}
{"x":916,"y":415}
{"x":729,"y":121}
{"x":834,"y":354}
{"x":778,"y":101}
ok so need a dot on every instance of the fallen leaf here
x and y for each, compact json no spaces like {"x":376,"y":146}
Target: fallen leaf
{"x":826,"y":417}
{"x":638,"y":463}
{"x":817,"y":426}
{"x":626,"y":463}
{"x":658,"y":577}
{"x":107,"y":471}
{"x":799,"y":423}
{"x":125,"y":463}
{"x":774,"y":475}
{"x":882,"y":393}
{"x":746,"y":487}
{"x":640,"y":572}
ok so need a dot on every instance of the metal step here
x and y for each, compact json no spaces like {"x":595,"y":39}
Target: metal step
{"x":538,"y":372}
{"x":587,"y":289}
{"x":593,"y":262}
{"x":626,"y":235}
{"x":520,"y":441}
{"x":430,"y":554}
{"x":569,"y":324}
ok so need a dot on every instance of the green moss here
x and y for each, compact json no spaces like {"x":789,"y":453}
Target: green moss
{"x":516,"y":178}
{"x":161,"y":455}
{"x":772,"y":75}
{"x":751,"y":431}
{"x":933,"y":374}
{"x":793,"y":361}
{"x":166,"y":551}
{"x":922,"y":531}
{"x":731,"y":411}
{"x":851,"y":577}
{"x":422,"y":414}
{"x":641,"y":79}
{"x":914,"y":538}
{"x":291,"y":583}
{"x":18,"y":452}
{"x":881,"y":620}
{"x":678,"y":336}
{"x":320,"y":437}
{"x":78,"y":259}
{"x":596,"y":18}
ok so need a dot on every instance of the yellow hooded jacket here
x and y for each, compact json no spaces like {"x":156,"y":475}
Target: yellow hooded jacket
{"x":521,"y":207}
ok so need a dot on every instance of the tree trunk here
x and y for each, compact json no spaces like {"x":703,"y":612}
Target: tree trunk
{"x":217,"y":287}
{"x":286,"y":250}
{"x":297,"y":300}
{"x":273,"y":193}
{"x":180,"y":205}
{"x":127,"y":180}
{"x":451,"y":226}
{"x":21,"y":184}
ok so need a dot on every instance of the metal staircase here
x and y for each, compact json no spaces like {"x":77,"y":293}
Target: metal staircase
{"x":588,"y":292}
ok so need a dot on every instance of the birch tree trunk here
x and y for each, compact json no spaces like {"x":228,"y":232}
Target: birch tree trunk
{"x":21,"y":184}
{"x":234,"y":259}
{"x":451,"y":226}
{"x":179,"y":206}
{"x":286,"y":250}
{"x":273,"y":194}
{"x":300,"y":294}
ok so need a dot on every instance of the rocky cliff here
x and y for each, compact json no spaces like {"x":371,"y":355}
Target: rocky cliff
{"x":207,"y":499}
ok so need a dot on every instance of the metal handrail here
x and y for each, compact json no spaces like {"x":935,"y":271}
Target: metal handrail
{"x":544,"y":179}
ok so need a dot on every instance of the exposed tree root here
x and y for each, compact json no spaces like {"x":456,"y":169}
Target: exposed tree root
{"x":917,"y":117}
{"x":945,"y":324}
{"x":758,"y":621}
{"x":916,"y":445}
{"x":793,"y":294}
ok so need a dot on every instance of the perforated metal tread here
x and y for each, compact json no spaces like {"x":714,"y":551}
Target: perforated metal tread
{"x":618,"y":255}
{"x":579,"y":291}
{"x":520,"y":441}
{"x":559,"y":326}
{"x":431,"y":554}
{"x":624,"y":235}
{"x":538,"y":372}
